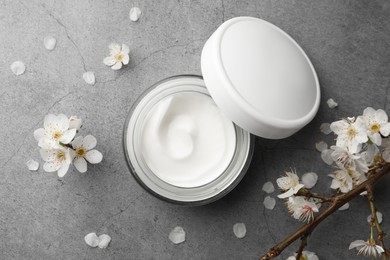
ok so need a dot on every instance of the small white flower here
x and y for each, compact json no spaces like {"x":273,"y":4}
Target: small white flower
{"x":134,"y":14}
{"x":367,"y":248}
{"x":75,"y":122}
{"x":57,"y":159}
{"x":346,"y":160}
{"x":301,"y":209}
{"x":350,"y":133}
{"x":376,"y":123}
{"x":342,"y":181}
{"x":289,"y":184}
{"x":56,"y":130}
{"x":83,"y":152}
{"x":306,"y":255}
{"x":118,"y":56}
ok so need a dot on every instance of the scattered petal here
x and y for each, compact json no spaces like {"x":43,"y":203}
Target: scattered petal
{"x":32,"y":165}
{"x":92,"y":240}
{"x":309,"y":179}
{"x":89,"y":77}
{"x":321,"y":145}
{"x":326,"y":156}
{"x":325,"y":128}
{"x":239,"y":230}
{"x":331,"y":103}
{"x":134,"y":14}
{"x":268,"y":187}
{"x":18,"y":68}
{"x":344,"y":207}
{"x":269,"y":203}
{"x":177,"y":235}
{"x":75,"y":122}
{"x":378,"y":215}
{"x":49,"y":42}
{"x":104,"y":240}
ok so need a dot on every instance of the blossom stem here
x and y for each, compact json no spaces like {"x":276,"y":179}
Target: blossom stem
{"x":307,"y":193}
{"x":374,"y":220}
{"x":336,"y":202}
{"x":301,"y":247}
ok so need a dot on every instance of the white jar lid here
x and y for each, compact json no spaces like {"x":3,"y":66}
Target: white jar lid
{"x":260,"y":77}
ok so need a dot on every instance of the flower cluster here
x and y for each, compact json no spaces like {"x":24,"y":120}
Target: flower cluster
{"x":60,"y":148}
{"x":358,"y":147}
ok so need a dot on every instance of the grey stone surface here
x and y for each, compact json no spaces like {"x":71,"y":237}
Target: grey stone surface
{"x":44,"y":217}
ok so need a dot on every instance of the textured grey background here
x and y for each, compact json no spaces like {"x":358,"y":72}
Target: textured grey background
{"x":44,"y":217}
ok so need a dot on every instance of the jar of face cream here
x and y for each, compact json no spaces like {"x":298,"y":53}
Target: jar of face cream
{"x":188,"y":140}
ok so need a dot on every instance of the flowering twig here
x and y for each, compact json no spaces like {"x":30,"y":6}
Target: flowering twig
{"x":337,"y":201}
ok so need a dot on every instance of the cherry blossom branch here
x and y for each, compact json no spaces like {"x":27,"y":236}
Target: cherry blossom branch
{"x":301,"y":247}
{"x":337,"y":202}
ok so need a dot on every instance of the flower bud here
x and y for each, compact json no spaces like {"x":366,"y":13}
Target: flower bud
{"x":75,"y":122}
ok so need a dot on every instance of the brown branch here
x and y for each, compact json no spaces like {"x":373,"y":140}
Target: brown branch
{"x":337,"y":202}
{"x":301,"y":247}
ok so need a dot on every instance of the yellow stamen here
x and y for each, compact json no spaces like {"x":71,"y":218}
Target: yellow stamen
{"x":57,"y":135}
{"x":81,"y":152}
{"x":61,"y":155}
{"x":375,"y":128}
{"x":352,"y":132}
{"x":119,"y":57}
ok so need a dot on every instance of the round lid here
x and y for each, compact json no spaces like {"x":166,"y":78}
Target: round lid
{"x":260,"y":77}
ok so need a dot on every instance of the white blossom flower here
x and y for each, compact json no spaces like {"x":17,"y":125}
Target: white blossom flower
{"x":118,"y":56}
{"x":376,"y":124}
{"x":57,"y":159}
{"x":289,"y":184}
{"x":346,"y":160}
{"x":341,"y":180}
{"x":56,"y":130}
{"x":301,"y":209}
{"x":367,"y":248}
{"x":350,"y":133}
{"x":83,"y":152}
{"x":306,"y":255}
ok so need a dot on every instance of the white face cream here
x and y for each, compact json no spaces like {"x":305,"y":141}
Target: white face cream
{"x":180,"y":146}
{"x":186,"y":140}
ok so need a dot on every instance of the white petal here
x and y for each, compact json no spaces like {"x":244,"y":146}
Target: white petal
{"x":109,"y":61}
{"x":385,"y":129}
{"x":344,"y":207}
{"x":39,"y":133}
{"x":331,"y":103}
{"x":326,"y":156}
{"x":381,"y":116}
{"x":48,"y":155}
{"x":75,"y":122}
{"x":89,"y":77}
{"x":94,"y":156}
{"x":325,"y":128}
{"x":376,"y":138}
{"x":378,"y":215}
{"x":126,"y":59}
{"x":287,"y":194}
{"x":49,"y":119}
{"x":125,"y":49}
{"x":309,"y":179}
{"x":177,"y":235}
{"x":239,"y":230}
{"x":32,"y":165}
{"x":114,"y":48}
{"x":321,"y":145}
{"x":357,"y":243}
{"x":49,"y":42}
{"x":117,"y":66}
{"x":269,"y":203}
{"x":51,"y":166}
{"x":80,"y":164}
{"x":77,"y":142}
{"x":369,"y":112}
{"x":92,"y":239}
{"x":47,"y":144}
{"x":134,"y":14}
{"x":104,"y":241}
{"x":18,"y":67}
{"x":68,"y":136}
{"x":63,"y":170}
{"x":62,"y":121}
{"x":268,"y":187}
{"x":89,"y":142}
